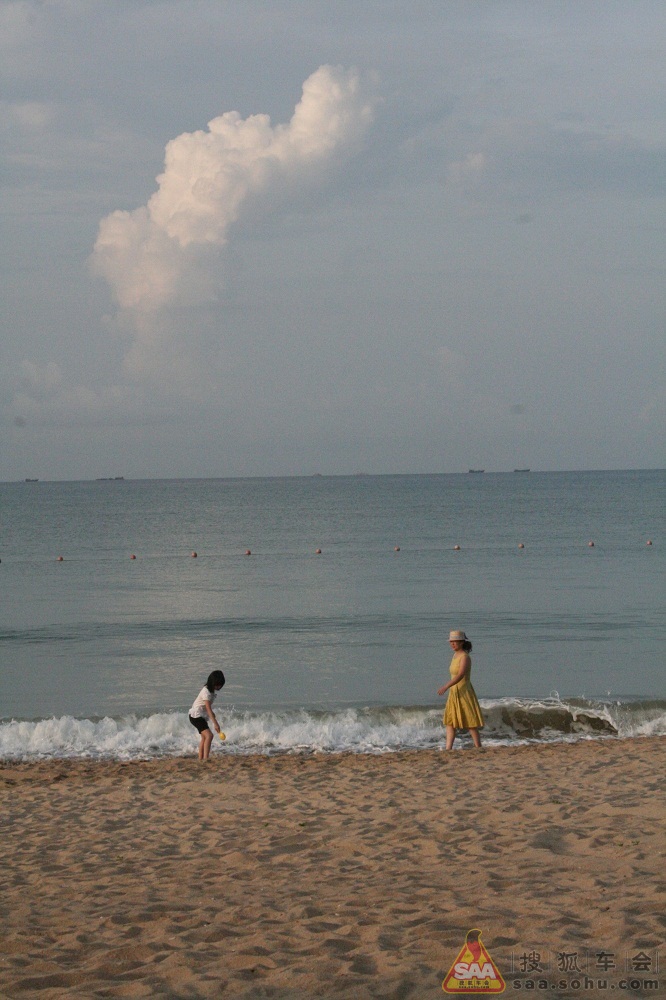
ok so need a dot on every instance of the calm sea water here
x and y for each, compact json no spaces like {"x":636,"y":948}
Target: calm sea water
{"x":103,"y":654}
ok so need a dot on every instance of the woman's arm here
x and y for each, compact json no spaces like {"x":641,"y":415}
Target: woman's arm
{"x":463,"y":672}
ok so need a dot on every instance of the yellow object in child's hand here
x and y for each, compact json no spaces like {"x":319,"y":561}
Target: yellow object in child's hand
{"x":222,"y":736}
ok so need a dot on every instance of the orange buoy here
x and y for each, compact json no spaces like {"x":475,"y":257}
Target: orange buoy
{"x":60,"y":559}
{"x":591,"y":545}
{"x":520,"y":545}
{"x":456,"y":548}
{"x":247,"y":552}
{"x":397,"y":548}
{"x":649,"y":542}
{"x":318,"y":552}
{"x":194,"y":555}
{"x":132,"y":556}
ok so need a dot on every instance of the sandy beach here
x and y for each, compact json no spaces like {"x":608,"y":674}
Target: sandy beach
{"x":334,"y":876}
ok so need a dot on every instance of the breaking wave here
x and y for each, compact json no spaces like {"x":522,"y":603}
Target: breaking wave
{"x":356,"y":729}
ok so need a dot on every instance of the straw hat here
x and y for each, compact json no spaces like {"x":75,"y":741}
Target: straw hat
{"x":457,"y":636}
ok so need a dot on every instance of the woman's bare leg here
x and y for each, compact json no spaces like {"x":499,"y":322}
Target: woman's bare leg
{"x":450,"y":736}
{"x":476,"y":739}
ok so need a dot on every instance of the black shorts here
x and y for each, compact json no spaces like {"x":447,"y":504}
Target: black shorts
{"x":200,"y":724}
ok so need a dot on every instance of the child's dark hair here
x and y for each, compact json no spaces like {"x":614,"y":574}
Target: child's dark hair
{"x":215,"y":680}
{"x":467,"y":646}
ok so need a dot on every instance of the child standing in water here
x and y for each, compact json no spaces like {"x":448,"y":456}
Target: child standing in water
{"x":201,"y":712}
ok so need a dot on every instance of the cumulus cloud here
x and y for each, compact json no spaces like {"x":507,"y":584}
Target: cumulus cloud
{"x":153,"y":257}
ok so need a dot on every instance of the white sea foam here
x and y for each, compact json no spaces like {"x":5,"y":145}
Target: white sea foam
{"x":378,"y":729}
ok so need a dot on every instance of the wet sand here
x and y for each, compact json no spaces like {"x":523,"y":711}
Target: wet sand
{"x":329,"y":876}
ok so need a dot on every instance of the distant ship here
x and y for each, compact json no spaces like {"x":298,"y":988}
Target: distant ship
{"x":521,"y":470}
{"x":477,"y":470}
{"x":32,"y":480}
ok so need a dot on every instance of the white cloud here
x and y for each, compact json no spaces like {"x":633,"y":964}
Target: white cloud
{"x":153,"y":257}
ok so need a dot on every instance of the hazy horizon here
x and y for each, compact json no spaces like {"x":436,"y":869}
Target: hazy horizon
{"x":327,"y":475}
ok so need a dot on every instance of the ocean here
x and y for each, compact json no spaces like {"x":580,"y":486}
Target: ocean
{"x":340,"y":649}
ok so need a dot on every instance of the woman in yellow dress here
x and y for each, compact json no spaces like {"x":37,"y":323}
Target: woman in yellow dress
{"x":462,"y":706}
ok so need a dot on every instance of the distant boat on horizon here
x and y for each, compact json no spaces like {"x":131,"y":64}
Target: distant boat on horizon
{"x":32,"y":480}
{"x":477,"y":470}
{"x":521,"y":470}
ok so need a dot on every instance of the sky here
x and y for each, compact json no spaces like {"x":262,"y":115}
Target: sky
{"x":288,"y":237}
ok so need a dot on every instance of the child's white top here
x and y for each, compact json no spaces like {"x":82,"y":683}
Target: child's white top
{"x":198,"y":710}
